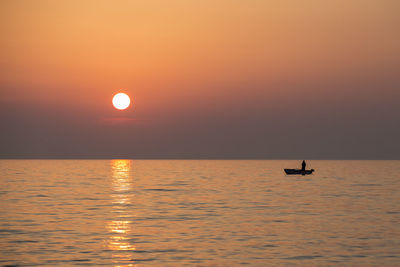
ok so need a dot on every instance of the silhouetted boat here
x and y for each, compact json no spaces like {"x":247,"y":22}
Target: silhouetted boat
{"x":297,"y":171}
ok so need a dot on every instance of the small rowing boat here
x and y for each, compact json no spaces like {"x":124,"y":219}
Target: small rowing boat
{"x":298,"y":172}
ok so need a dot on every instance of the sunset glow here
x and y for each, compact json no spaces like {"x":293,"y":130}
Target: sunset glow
{"x":259,"y":79}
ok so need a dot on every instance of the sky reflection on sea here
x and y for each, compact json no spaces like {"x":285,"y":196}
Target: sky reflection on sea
{"x":201,"y":213}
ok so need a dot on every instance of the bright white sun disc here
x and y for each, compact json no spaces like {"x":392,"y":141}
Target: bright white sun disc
{"x":121,"y":101}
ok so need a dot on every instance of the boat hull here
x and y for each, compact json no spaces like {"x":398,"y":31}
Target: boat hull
{"x":298,"y":172}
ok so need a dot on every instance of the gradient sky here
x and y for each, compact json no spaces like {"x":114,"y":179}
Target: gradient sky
{"x":209,"y":79}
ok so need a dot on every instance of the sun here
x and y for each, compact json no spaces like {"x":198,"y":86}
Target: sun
{"x":121,"y":101}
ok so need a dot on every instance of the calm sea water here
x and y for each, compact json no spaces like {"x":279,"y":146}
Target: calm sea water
{"x":198,"y":213}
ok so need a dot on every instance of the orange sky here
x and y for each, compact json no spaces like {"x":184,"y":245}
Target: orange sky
{"x":176,"y":58}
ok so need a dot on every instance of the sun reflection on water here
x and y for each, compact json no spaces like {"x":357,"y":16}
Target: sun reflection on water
{"x":120,"y":228}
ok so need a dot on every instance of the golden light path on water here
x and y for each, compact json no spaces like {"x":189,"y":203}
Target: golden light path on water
{"x":121,"y":227}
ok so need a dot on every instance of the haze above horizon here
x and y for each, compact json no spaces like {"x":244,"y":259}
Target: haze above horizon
{"x":207,"y":79}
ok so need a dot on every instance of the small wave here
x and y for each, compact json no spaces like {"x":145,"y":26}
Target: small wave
{"x":150,"y":259}
{"x":161,"y":189}
{"x":161,"y":251}
{"x":23,"y":241}
{"x":177,"y":183}
{"x":366,"y":185}
{"x":352,"y":256}
{"x":41,"y":195}
{"x":393,"y":212}
{"x":11,"y":231}
{"x":303,"y":257}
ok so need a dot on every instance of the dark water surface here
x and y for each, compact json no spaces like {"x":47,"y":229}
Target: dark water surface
{"x":198,"y":213}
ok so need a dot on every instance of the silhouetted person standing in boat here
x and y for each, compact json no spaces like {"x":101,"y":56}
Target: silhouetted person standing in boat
{"x":303,"y":165}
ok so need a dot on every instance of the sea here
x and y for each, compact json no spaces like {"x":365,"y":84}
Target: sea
{"x":199,"y":213}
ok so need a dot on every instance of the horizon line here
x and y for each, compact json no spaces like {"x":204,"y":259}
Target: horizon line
{"x":177,"y":158}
